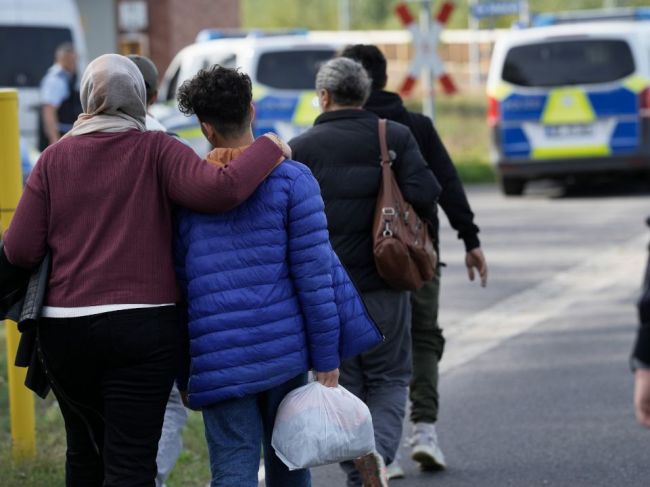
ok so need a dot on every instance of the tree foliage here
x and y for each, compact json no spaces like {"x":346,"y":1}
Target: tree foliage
{"x":379,"y":14}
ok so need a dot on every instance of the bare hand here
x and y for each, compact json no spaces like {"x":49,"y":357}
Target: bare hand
{"x":474,"y":259}
{"x":284,"y":147}
{"x":642,"y":396}
{"x":328,"y":379}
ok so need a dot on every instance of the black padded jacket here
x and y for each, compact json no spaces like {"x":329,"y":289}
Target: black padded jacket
{"x":342,"y":150}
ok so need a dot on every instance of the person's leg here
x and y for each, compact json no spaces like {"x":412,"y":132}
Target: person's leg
{"x":171,"y":439}
{"x":277,"y":473}
{"x":380,"y":378}
{"x":233,"y":430}
{"x":387,"y":368}
{"x":428,"y":347}
{"x":64,"y":347}
{"x":138,"y":376}
{"x":351,"y":377}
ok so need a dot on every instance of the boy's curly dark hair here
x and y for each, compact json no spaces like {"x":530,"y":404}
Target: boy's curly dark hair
{"x":218,"y":96}
{"x":372,"y":59}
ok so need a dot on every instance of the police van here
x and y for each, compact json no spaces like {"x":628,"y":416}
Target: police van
{"x":30,"y":32}
{"x":283,"y":72}
{"x":570,"y":100}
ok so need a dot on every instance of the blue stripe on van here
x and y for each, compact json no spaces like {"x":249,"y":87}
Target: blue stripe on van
{"x":625,"y":138}
{"x":615,"y":102}
{"x":276,"y":107}
{"x":514,"y":142}
{"x":260,"y":129}
{"x":522,"y":107}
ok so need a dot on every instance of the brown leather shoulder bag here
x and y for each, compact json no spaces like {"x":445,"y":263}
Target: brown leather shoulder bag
{"x":402,"y":245}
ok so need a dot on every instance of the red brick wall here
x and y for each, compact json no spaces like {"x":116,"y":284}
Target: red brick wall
{"x":173,"y":24}
{"x":185,"y":19}
{"x":160,"y":43}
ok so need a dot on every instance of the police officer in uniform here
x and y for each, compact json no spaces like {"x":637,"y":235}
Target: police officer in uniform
{"x":60,"y":102}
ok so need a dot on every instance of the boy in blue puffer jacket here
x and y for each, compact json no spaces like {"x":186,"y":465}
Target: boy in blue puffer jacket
{"x":267,"y":297}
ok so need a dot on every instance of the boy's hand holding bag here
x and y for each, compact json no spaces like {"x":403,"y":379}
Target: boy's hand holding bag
{"x":317,"y":425}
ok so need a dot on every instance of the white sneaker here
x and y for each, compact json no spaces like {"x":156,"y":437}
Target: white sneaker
{"x":425,"y":447}
{"x":395,"y":470}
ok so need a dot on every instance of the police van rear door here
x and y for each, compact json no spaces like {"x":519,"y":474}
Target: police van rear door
{"x":571,"y":97}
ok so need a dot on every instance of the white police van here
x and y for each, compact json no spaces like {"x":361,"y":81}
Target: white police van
{"x":569,"y":101}
{"x":30,"y":32}
{"x":282,"y":69}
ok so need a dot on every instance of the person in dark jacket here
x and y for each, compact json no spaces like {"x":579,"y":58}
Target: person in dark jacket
{"x":267,"y":298}
{"x":641,"y":354}
{"x":428,"y":341}
{"x":342,"y":150}
{"x":641,"y":367}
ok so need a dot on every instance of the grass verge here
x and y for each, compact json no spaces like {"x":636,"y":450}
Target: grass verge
{"x":46,"y":469}
{"x":474,"y":171}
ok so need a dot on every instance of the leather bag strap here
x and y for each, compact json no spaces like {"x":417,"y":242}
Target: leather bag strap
{"x":383,"y":145}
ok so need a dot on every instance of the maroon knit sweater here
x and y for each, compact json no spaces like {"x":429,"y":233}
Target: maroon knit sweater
{"x":103,"y":204}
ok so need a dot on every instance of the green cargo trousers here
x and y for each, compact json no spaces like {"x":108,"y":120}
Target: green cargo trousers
{"x":428,"y":347}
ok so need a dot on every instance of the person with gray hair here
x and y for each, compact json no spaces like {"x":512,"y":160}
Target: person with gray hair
{"x":346,"y":81}
{"x":426,"y":333}
{"x":342,"y":150}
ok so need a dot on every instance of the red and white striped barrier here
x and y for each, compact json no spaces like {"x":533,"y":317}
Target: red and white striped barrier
{"x":426,"y":48}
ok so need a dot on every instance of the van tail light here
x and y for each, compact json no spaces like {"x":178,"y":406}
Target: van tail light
{"x":644,"y":103}
{"x":493,"y":113}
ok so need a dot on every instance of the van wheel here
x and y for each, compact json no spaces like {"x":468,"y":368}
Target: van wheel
{"x":512,"y":186}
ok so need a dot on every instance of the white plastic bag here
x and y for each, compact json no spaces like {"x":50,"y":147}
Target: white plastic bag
{"x":316,"y":425}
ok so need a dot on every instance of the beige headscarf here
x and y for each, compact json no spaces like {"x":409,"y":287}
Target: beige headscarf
{"x":112,"y":97}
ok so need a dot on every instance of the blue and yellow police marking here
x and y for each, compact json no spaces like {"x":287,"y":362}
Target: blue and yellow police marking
{"x":501,"y":91}
{"x":307,"y":110}
{"x":188,"y":133}
{"x":576,"y":151}
{"x":566,"y":106}
{"x":636,"y":84}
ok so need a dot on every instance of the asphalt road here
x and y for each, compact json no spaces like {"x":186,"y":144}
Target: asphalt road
{"x":536,"y":389}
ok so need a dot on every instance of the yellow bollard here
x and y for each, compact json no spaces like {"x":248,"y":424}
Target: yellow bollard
{"x":21,"y":399}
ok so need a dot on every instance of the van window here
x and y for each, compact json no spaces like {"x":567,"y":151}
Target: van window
{"x":27,"y":53}
{"x":225,"y":62}
{"x":568,"y":63}
{"x":291,"y":70}
{"x":173,"y":85}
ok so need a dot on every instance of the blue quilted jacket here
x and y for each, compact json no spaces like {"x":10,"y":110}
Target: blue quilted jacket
{"x":267,"y":296}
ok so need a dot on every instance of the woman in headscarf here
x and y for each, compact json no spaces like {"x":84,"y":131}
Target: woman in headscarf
{"x":101,"y":200}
